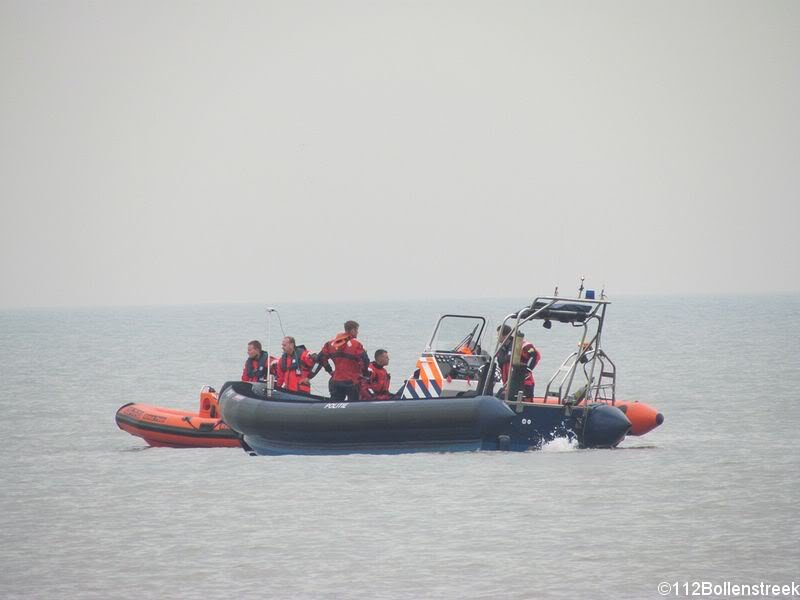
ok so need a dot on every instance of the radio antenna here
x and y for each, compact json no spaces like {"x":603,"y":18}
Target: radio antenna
{"x":270,"y":312}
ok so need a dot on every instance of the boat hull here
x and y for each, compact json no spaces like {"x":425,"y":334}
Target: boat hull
{"x":167,"y":427}
{"x":643,"y":417}
{"x":287,"y":423}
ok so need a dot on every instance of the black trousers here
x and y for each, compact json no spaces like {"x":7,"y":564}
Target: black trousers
{"x":344,"y":389}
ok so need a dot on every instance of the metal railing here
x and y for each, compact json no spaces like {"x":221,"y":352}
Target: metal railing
{"x":589,"y":353}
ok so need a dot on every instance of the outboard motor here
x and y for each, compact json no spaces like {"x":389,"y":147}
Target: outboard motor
{"x":605,"y":426}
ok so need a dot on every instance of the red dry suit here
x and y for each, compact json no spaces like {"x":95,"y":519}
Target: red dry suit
{"x":291,"y":369}
{"x":255,"y":369}
{"x":529,"y":357}
{"x":376,"y":386}
{"x":349,"y":358}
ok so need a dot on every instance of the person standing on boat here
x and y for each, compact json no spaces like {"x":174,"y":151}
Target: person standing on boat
{"x":376,"y":386}
{"x":350,"y":363}
{"x":293,"y":368}
{"x":255,"y":367}
{"x":529,"y":358}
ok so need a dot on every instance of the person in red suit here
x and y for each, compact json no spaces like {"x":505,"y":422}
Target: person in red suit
{"x":293,"y":368}
{"x":350,"y":362}
{"x":255,"y":367}
{"x":376,"y":386}
{"x":530,"y":357}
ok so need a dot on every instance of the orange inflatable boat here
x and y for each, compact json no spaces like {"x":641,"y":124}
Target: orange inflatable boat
{"x":643,"y":417}
{"x":177,"y":428}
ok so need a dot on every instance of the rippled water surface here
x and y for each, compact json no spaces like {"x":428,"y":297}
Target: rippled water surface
{"x":87,"y":511}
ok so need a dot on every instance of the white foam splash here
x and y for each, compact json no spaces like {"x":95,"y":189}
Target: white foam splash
{"x":561,"y":444}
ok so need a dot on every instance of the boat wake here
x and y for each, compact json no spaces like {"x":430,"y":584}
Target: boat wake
{"x":561,"y":444}
{"x":135,"y":449}
{"x":638,"y":447}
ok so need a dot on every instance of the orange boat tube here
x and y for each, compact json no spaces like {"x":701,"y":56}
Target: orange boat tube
{"x":177,"y":428}
{"x":643,"y":417}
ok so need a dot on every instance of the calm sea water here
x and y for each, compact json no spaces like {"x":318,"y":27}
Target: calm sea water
{"x":87,"y":511}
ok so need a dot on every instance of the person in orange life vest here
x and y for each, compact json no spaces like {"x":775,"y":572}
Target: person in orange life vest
{"x":376,"y":386}
{"x":350,"y":363}
{"x":293,"y":368}
{"x":529,"y":357}
{"x":255,"y":367}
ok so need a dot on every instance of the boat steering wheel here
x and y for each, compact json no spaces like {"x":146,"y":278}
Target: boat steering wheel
{"x":459,"y":366}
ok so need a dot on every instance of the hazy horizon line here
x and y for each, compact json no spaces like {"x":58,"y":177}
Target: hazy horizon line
{"x":413,"y":300}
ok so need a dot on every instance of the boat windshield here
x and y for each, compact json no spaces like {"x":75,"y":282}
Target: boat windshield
{"x":460,"y":334}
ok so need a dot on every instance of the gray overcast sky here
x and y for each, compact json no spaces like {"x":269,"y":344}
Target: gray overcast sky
{"x":184,"y":152}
